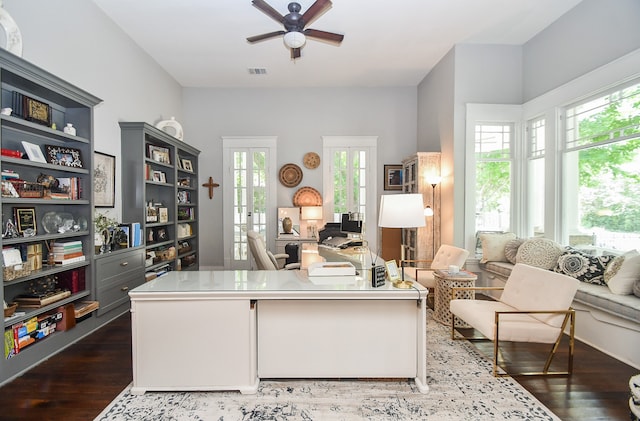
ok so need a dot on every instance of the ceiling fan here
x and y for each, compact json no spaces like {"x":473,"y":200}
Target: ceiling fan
{"x":294,"y":24}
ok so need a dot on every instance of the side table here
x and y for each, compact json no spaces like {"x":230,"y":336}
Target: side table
{"x":445,"y":281}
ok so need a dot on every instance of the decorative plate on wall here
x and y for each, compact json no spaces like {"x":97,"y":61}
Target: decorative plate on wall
{"x":290,"y":175}
{"x":311,"y":160}
{"x":307,"y":196}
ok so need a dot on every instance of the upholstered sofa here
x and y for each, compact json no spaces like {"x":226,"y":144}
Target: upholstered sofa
{"x":607,"y":302}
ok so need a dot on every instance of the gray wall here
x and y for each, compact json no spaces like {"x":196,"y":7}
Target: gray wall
{"x":299,"y":118}
{"x":592,"y":34}
{"x":74,"y":40}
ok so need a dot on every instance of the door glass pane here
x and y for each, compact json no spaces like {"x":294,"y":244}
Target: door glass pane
{"x":240,"y":206}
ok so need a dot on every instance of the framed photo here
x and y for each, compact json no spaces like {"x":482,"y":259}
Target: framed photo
{"x":104,"y":184}
{"x":33,"y":152}
{"x":159,"y":154}
{"x":392,"y":270}
{"x":157,"y":176}
{"x":186,"y":165}
{"x":161,"y":234}
{"x":163,"y":214}
{"x":393,"y":177}
{"x":37,"y":111}
{"x":25,"y":220}
{"x":68,"y":157}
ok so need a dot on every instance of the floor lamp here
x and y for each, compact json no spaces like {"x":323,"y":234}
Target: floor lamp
{"x":429,"y":211}
{"x":401,"y":211}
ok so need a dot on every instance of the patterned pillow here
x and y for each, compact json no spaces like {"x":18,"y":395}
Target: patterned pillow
{"x":493,"y":246}
{"x":622,"y":272}
{"x":511,"y":249}
{"x":583,"y":267}
{"x":539,"y":252}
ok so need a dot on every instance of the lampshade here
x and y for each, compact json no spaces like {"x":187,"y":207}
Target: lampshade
{"x":311,"y":213}
{"x":401,"y":211}
{"x":294,"y":39}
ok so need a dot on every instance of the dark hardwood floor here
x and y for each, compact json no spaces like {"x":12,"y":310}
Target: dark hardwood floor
{"x":79,"y":382}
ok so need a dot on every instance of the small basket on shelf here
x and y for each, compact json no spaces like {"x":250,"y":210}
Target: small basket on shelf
{"x":10,"y":309}
{"x":9,"y":273}
{"x":28,"y":189}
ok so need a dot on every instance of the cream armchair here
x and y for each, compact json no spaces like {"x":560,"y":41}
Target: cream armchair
{"x":422,"y":270}
{"x":265,"y":260}
{"x":535,"y":306}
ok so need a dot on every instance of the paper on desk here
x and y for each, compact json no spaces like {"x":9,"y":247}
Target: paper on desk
{"x":331,"y":269}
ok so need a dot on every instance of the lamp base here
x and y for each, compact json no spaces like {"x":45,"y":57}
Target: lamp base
{"x":402,"y":284}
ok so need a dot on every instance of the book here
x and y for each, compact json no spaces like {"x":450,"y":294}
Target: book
{"x":69,"y":261}
{"x":136,"y":234}
{"x":85,"y":307}
{"x":36,"y":301}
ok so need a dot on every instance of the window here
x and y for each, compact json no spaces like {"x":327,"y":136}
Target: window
{"x":601,"y":181}
{"x":535,"y":177}
{"x":350,"y":179}
{"x":493,"y":154}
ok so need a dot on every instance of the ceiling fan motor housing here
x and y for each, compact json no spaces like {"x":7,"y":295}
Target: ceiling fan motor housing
{"x":293,"y":21}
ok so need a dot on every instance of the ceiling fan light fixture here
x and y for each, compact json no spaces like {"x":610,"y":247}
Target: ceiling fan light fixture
{"x":294,"y":39}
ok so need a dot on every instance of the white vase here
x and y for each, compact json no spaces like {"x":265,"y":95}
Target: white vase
{"x":69,"y":129}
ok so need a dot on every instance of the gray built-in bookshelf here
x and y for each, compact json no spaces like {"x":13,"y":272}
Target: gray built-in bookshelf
{"x":46,"y":203}
{"x":160,"y":189}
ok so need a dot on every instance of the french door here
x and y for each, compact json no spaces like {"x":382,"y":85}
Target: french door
{"x":250,"y":199}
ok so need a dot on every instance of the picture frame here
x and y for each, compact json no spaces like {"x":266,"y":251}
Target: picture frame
{"x":393,"y":177}
{"x":159,"y":154}
{"x":37,"y":111}
{"x":186,"y":165}
{"x":104,"y":185}
{"x":34,"y":152}
{"x":25,"y":220}
{"x":392,"y":270}
{"x":67,"y":157}
{"x":163,"y":214}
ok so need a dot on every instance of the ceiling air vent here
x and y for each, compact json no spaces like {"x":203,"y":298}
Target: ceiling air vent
{"x":257,"y":71}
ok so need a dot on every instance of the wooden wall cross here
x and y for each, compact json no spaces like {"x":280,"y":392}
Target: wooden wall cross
{"x":211,"y":185}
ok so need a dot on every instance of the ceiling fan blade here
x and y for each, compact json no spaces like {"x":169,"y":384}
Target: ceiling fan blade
{"x":295,"y":53}
{"x":315,"y":10}
{"x":268,"y":10}
{"x":257,"y":38}
{"x":327,"y":36}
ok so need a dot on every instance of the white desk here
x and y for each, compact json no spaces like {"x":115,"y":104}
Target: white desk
{"x":224,"y":330}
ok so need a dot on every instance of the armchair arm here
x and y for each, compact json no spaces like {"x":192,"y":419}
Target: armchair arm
{"x":280,"y":256}
{"x":291,"y":266}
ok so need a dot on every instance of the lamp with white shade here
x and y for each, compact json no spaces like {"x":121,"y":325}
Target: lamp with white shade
{"x":401,"y":211}
{"x":311,"y":214}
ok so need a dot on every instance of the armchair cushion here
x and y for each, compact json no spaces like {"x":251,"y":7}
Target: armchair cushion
{"x":530,"y":288}
{"x":513,"y":327}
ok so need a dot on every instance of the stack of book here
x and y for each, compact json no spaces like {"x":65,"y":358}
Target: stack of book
{"x":67,"y":252}
{"x":40,"y":300}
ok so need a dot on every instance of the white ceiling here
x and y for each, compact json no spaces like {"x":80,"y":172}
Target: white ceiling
{"x":202,"y":43}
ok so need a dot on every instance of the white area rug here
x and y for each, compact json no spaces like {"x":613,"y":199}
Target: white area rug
{"x":460,"y":381}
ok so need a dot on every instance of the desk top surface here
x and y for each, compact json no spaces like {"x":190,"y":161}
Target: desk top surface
{"x":271,"y":285}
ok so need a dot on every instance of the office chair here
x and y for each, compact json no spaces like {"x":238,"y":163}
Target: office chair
{"x":265,"y":260}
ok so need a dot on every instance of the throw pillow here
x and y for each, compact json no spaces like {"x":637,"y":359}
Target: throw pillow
{"x":493,"y":246}
{"x":583,"y":267}
{"x":622,"y":273}
{"x":511,"y":249}
{"x":539,"y":252}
